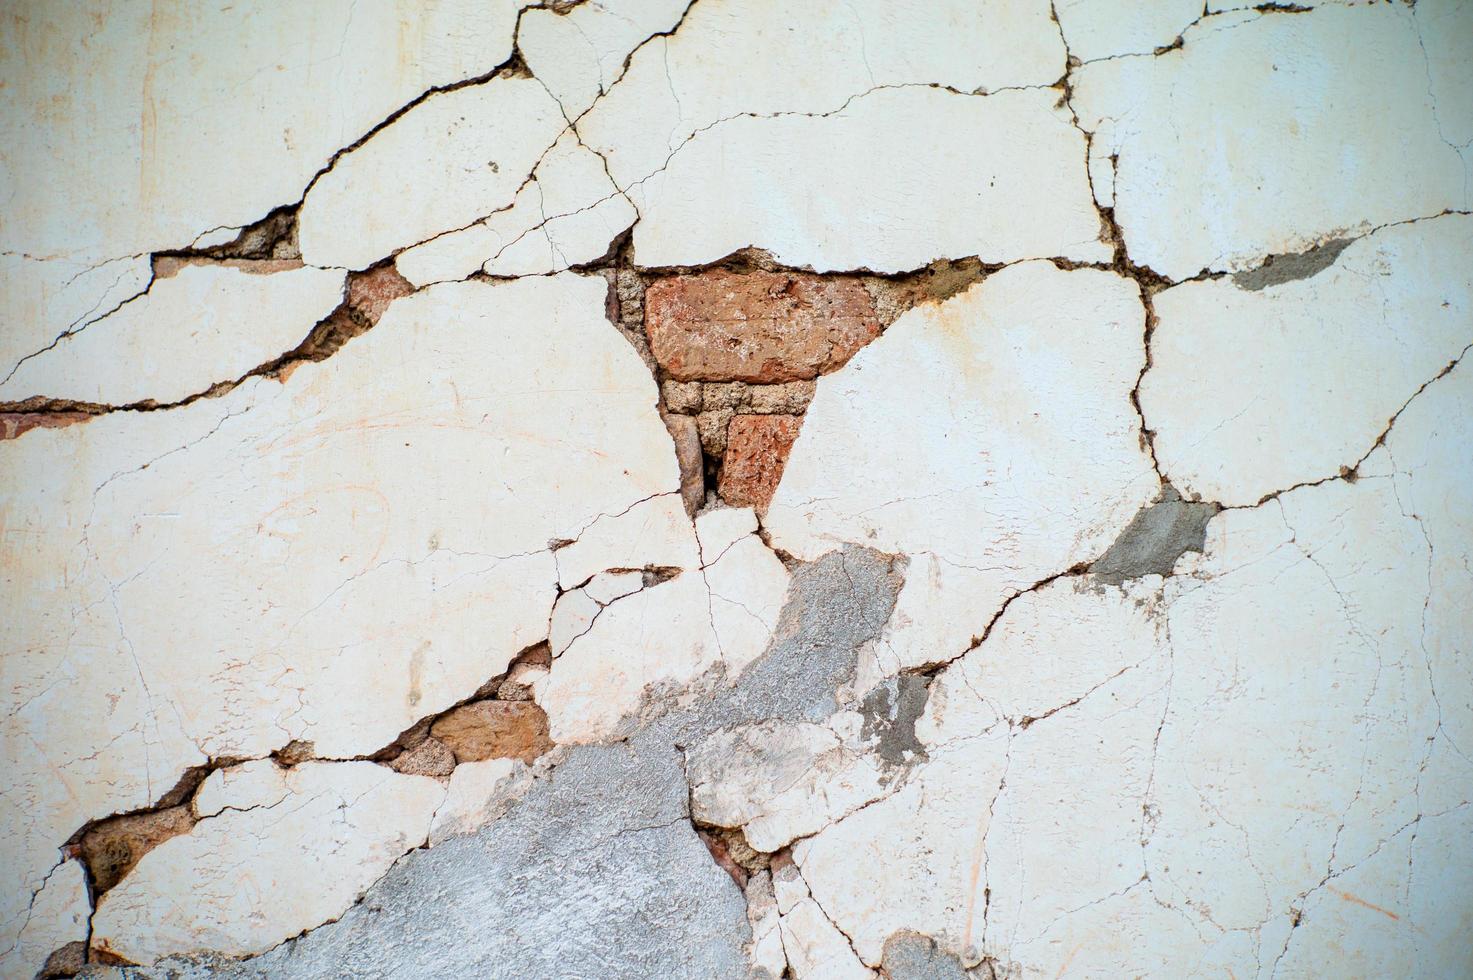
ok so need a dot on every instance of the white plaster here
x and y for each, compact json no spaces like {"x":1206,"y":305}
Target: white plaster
{"x":203,"y":325}
{"x":1221,"y":144}
{"x":958,"y":169}
{"x":54,"y":916}
{"x":189,"y":120}
{"x":751,"y":57}
{"x":568,"y":213}
{"x":477,"y":794}
{"x":580,"y":53}
{"x":270,"y":869}
{"x":1250,"y":392}
{"x":717,"y":530}
{"x":451,"y":161}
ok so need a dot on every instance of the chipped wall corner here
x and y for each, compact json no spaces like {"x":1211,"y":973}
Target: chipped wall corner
{"x":737,"y":489}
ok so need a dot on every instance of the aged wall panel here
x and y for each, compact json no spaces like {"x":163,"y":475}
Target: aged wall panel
{"x":736,"y":489}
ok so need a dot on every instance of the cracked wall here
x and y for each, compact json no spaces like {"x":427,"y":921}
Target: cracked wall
{"x":639,"y":488}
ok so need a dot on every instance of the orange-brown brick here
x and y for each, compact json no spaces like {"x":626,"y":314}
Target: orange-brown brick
{"x":756,"y":451}
{"x":759,"y":327}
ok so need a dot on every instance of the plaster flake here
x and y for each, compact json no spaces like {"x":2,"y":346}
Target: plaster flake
{"x":579,"y":54}
{"x":664,"y":636}
{"x":779,"y":781}
{"x":566,"y":214}
{"x":195,"y":319}
{"x":51,"y":918}
{"x":145,"y":149}
{"x":452,"y":160}
{"x":478,"y":792}
{"x":958,"y":170}
{"x":42,"y":299}
{"x":1255,"y":391}
{"x":269,"y":867}
{"x":950,"y":437}
{"x":1218,"y":144}
{"x":751,"y":57}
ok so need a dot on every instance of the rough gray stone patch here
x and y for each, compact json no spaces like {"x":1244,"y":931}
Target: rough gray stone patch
{"x":1155,"y":538}
{"x":890,"y":714}
{"x":1279,"y":269}
{"x":911,"y":956}
{"x":597,"y":870}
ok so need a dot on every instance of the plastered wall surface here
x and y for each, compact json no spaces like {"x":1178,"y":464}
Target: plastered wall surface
{"x":637,"y":488}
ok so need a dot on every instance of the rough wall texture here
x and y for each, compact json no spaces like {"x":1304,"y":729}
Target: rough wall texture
{"x":649,"y":488}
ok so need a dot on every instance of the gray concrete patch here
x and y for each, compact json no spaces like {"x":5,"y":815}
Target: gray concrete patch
{"x":1290,"y":266}
{"x":1155,"y":538}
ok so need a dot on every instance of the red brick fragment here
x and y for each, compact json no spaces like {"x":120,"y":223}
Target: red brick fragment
{"x":494,"y":730}
{"x":371,"y":292}
{"x":757,"y":449}
{"x":13,"y":425}
{"x":759,"y":327}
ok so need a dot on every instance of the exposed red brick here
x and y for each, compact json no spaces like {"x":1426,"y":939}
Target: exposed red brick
{"x":371,"y":292}
{"x":692,"y":461}
{"x":757,"y":449}
{"x":760,"y":327}
{"x":13,"y":425}
{"x":494,"y":730}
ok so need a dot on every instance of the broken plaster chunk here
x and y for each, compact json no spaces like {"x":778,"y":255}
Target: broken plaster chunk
{"x":567,"y":214}
{"x":804,"y":193}
{"x":766,"y":950}
{"x":760,"y":327}
{"x":204,"y":325}
{"x":217,"y":87}
{"x":747,"y":584}
{"x":455,"y":158}
{"x":749,"y":56}
{"x":1250,"y":392}
{"x":260,"y":782}
{"x":478,"y":793}
{"x":990,"y":438}
{"x":1111,"y":28}
{"x":778,"y":781}
{"x":757,"y":448}
{"x":817,"y":950}
{"x":1218,"y":145}
{"x":56,"y":916}
{"x":788,"y":887}
{"x":267,"y":869}
{"x":721,"y":527}
{"x":605,"y":587}
{"x":660,"y":635}
{"x":653,"y":532}
{"x":579,"y":53}
{"x":572,"y":615}
{"x":494,"y":730}
{"x":41,"y":299}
